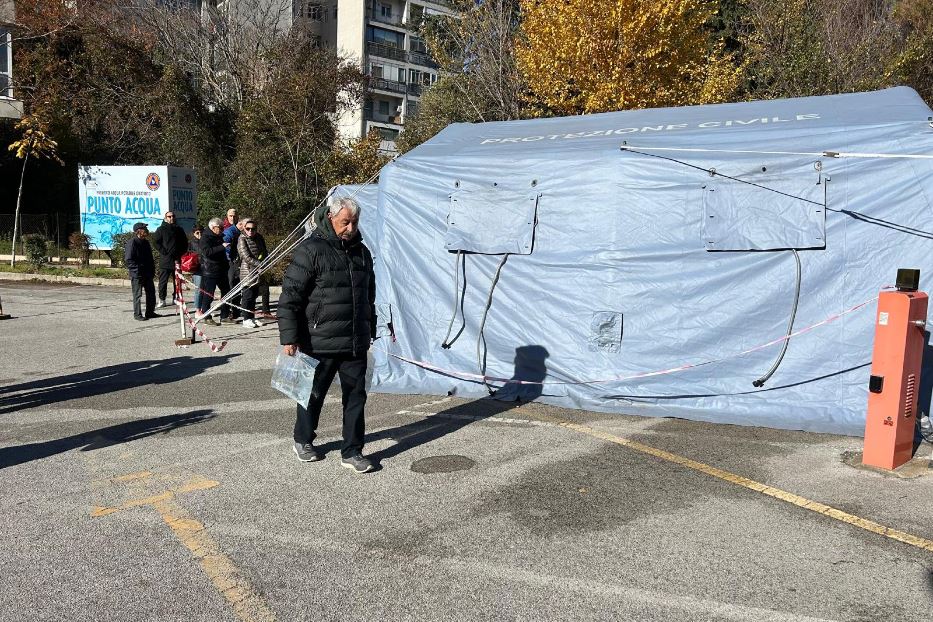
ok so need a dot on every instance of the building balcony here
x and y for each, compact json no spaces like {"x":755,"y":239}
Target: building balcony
{"x":393,"y":20}
{"x":415,"y":89}
{"x":392,"y":86}
{"x":375,"y":117}
{"x":420,"y":58}
{"x":385,"y":51}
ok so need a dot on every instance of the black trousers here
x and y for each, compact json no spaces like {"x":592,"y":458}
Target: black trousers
{"x":166,"y":275}
{"x":233,"y":278}
{"x":139,"y":284}
{"x":249,"y":301}
{"x":209,"y":283}
{"x":352,"y":372}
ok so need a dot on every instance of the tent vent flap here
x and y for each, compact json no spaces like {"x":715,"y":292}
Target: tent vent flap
{"x":514,"y":213}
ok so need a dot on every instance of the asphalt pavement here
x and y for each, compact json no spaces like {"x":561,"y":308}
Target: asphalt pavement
{"x":142,"y":481}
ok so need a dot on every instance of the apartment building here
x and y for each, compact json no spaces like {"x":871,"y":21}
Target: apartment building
{"x":382,"y":35}
{"x":10,"y":108}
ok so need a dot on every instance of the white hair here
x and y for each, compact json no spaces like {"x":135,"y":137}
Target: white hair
{"x":214,"y":221}
{"x":338,"y":204}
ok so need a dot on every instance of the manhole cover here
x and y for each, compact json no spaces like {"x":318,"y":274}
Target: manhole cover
{"x":442,"y":464}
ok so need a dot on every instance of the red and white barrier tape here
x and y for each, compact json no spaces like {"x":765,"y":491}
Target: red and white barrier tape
{"x":204,"y":292}
{"x":660,"y":372}
{"x":180,"y":301}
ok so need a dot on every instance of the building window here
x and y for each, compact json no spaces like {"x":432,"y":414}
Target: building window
{"x":385,"y":37}
{"x":314,"y":11}
{"x":417,"y":45}
{"x":376,"y":71}
{"x":424,"y":78}
{"x":6,"y":64}
{"x":383,"y":107}
{"x":385,"y":10}
{"x":388,"y":133}
{"x":415,"y":13}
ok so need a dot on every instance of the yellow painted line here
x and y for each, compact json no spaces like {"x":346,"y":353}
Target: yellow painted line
{"x":131,"y":477}
{"x":200,"y":484}
{"x":738,"y":480}
{"x":248,"y":604}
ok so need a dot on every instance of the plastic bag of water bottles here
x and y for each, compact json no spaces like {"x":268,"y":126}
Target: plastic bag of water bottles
{"x":294,"y":375}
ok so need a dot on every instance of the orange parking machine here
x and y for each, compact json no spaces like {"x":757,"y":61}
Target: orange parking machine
{"x":895,"y":373}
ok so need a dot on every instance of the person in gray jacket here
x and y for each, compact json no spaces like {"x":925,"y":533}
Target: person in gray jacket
{"x":251,"y":248}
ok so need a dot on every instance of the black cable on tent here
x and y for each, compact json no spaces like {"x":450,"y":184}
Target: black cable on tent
{"x":481,"y":339}
{"x":714,"y":173}
{"x":790,"y":328}
{"x":446,"y":344}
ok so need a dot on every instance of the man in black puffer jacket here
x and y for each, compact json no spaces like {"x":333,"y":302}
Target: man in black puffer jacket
{"x":213,"y":252}
{"x":172,"y":242}
{"x":327,"y":310}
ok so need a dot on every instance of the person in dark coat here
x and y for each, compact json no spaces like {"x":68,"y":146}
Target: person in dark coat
{"x":172,"y":242}
{"x":231,"y":236}
{"x":327,"y":310}
{"x":213,"y":252}
{"x":141,"y":268}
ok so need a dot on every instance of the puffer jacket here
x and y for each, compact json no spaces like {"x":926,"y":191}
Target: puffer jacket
{"x":213,"y":254}
{"x":327,"y":305}
{"x":171,"y":242}
{"x":251,"y":250}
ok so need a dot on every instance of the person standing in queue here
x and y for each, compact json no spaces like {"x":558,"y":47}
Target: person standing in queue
{"x":213,"y":252}
{"x":231,"y":236}
{"x":172,"y":242}
{"x":327,"y":310}
{"x":141,"y":268}
{"x":251,"y":249}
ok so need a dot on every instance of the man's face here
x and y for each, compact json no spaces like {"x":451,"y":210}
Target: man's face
{"x":170,"y":218}
{"x":345,"y":225}
{"x":239,"y":225}
{"x":142,"y":233}
{"x":231,"y":216}
{"x":216,"y":229}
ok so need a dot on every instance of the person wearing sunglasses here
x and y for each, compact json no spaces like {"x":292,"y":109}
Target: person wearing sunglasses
{"x":251,"y":248}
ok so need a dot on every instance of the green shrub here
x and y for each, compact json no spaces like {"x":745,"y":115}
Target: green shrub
{"x":37,"y":249}
{"x":118,"y":248}
{"x":80,"y":243}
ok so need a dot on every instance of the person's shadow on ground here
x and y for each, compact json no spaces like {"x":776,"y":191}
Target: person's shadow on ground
{"x":103,"y":380}
{"x":101,"y":438}
{"x":530,"y":367}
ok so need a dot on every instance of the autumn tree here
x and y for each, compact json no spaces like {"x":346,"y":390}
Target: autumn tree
{"x":799,"y":48}
{"x":479,"y":77}
{"x":583,"y":56}
{"x":287,"y":132}
{"x":34,"y":143}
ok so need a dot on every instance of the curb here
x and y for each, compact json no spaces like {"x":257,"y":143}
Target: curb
{"x":57,"y":278}
{"x":274,"y":290}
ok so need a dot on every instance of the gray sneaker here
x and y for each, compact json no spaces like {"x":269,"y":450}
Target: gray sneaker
{"x":307,"y":452}
{"x":161,"y":304}
{"x":358,"y":462}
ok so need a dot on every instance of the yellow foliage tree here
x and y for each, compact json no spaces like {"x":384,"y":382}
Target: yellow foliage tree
{"x":582,"y":56}
{"x":35,"y":143}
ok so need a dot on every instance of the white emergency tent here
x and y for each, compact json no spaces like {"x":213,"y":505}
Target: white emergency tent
{"x":543,"y":251}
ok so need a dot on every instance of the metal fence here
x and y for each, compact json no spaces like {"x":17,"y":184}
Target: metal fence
{"x":55,"y":227}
